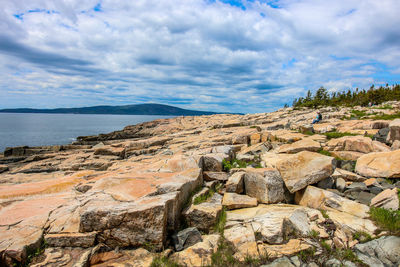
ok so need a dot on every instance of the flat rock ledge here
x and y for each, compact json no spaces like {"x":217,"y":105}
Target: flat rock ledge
{"x":166,"y":190}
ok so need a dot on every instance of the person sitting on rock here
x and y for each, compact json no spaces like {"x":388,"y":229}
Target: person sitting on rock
{"x":318,"y":118}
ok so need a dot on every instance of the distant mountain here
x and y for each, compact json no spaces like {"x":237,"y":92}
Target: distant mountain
{"x":140,"y":109}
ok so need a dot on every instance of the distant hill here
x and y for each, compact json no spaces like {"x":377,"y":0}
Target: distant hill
{"x":139,"y":109}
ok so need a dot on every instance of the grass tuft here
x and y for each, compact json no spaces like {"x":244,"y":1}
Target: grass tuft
{"x":334,"y":134}
{"x":324,"y":214}
{"x":386,"y":219}
{"x":163,"y":262}
{"x":203,"y":198}
{"x":227,"y":165}
{"x":220,"y":225}
{"x":362,"y":236}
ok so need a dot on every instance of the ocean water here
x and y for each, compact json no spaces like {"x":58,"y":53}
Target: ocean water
{"x":20,"y":129}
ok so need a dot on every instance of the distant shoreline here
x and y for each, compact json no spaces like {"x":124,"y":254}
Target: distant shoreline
{"x":140,"y":109}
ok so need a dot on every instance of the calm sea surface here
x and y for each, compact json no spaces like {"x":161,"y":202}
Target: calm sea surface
{"x":19,"y":129}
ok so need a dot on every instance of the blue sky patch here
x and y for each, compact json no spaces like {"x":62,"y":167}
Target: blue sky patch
{"x":98,"y":8}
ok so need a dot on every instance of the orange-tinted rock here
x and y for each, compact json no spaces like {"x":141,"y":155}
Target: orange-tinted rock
{"x":382,"y":164}
{"x":304,"y":168}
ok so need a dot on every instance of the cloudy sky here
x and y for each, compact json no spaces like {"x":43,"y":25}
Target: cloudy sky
{"x":219,"y":55}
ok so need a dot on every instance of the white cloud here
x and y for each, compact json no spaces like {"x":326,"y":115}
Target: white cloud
{"x":192,"y":53}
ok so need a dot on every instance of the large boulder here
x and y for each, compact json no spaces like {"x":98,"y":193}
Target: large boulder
{"x":388,"y":199}
{"x":203,"y":216}
{"x":236,"y":201}
{"x":306,"y":144}
{"x":304,"y":168}
{"x":266,"y":185}
{"x":235,"y":183}
{"x":394,"y":131}
{"x":384,"y":251}
{"x":381,"y":164}
{"x":356,"y":143}
{"x":381,"y":135}
{"x":317,"y":198}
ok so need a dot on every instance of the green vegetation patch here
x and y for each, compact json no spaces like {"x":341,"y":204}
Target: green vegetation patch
{"x":362,"y":236}
{"x":334,"y":134}
{"x":163,"y":262}
{"x":324,"y":214}
{"x":203,"y":198}
{"x":350,"y":98}
{"x":386,"y":116}
{"x":324,"y":152}
{"x":386,"y":106}
{"x":34,"y":253}
{"x":227,"y":165}
{"x":221,"y":221}
{"x":224,"y":254}
{"x":386,"y":219}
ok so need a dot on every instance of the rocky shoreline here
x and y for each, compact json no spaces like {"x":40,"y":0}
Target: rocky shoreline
{"x":249,"y":190}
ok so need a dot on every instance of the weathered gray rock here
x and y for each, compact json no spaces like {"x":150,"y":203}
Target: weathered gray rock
{"x":235,"y":183}
{"x":381,"y":135}
{"x":338,"y":263}
{"x":326,"y":183}
{"x":304,"y":168}
{"x":215,"y":176}
{"x":213,"y":162}
{"x":186,"y":238}
{"x":266,"y":185}
{"x":204,"y":215}
{"x":281,"y":262}
{"x":394,"y":131}
{"x":384,"y":251}
{"x":236,"y":201}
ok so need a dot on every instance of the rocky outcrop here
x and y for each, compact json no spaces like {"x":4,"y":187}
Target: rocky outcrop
{"x":266,"y":185}
{"x":380,"y":164}
{"x":317,"y":198}
{"x":102,"y":200}
{"x":304,"y":168}
{"x":356,"y":144}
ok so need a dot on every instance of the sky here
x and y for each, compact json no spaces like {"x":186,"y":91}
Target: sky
{"x":217,"y":55}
